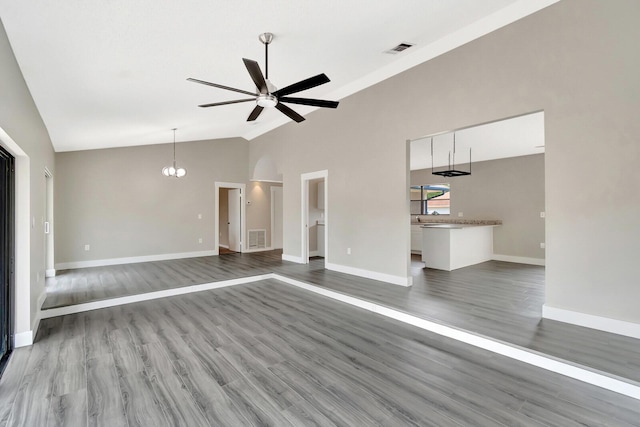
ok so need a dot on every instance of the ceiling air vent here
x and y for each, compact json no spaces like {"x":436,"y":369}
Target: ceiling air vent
{"x":400,"y":48}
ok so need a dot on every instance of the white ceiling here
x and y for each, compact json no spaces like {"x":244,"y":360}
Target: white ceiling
{"x":113,"y":73}
{"x":518,"y":136}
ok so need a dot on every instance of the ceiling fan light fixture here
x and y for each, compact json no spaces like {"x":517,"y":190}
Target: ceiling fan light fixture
{"x":267,"y":100}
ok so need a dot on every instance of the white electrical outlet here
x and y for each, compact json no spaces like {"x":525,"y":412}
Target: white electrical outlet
{"x":542,"y":214}
{"x":542,"y":245}
{"x":460,"y":214}
{"x":87,"y":247}
{"x":348,"y":251}
{"x":199,"y":216}
{"x":200,"y":240}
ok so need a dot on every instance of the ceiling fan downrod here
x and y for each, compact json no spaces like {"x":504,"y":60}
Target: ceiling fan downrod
{"x":266,"y":39}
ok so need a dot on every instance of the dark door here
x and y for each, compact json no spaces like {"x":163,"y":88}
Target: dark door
{"x":6,"y":256}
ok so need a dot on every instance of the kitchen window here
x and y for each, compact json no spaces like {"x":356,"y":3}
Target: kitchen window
{"x":431,"y":199}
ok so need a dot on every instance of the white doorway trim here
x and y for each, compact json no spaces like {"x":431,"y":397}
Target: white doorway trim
{"x":274,"y":189}
{"x":305,"y":178}
{"x":243,"y":216}
{"x":25,"y":323}
{"x":50,"y":270}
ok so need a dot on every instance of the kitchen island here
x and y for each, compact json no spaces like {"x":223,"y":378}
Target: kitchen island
{"x":449,"y":246}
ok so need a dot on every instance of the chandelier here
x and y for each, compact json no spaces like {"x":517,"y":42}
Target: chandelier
{"x":173,"y":170}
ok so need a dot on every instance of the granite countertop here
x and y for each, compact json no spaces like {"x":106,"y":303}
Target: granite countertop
{"x":455,"y":226}
{"x":451,"y":223}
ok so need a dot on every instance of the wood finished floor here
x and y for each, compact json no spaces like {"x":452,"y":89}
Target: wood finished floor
{"x":269,"y":354}
{"x":497,"y":299}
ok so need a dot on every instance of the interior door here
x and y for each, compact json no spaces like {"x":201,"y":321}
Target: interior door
{"x":277,"y":231}
{"x":235,"y":243}
{"x":6,"y":255}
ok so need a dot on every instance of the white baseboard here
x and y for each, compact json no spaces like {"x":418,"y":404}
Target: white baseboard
{"x":374,"y":275}
{"x":26,"y":338}
{"x":313,"y":253}
{"x":224,"y":246}
{"x":112,"y":302}
{"x":50,"y":273}
{"x":519,"y":259}
{"x":292,"y":258}
{"x":132,"y":260}
{"x":248,"y":251}
{"x":23,"y":339}
{"x":606,"y":324}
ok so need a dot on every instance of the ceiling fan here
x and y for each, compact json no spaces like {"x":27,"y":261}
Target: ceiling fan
{"x":268,"y":95}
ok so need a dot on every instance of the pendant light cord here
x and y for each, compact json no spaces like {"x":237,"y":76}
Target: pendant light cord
{"x":174,"y":146}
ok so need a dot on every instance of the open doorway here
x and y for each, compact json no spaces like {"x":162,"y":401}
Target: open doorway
{"x":505,"y":186}
{"x":315,"y":208}
{"x":229,"y":218}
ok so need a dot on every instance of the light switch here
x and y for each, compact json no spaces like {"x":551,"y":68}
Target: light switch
{"x":87,"y":247}
{"x":542,"y":214}
{"x":199,"y":216}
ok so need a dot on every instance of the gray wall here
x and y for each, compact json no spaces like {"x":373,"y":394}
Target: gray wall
{"x":21,"y":121}
{"x":117,"y":201}
{"x":578,"y":61}
{"x":259,"y":211}
{"x":511,"y":190}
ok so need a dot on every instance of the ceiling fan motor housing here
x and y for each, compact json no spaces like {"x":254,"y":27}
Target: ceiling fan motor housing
{"x":266,"y":100}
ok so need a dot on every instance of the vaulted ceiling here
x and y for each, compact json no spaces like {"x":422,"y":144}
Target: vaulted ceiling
{"x":113,"y":73}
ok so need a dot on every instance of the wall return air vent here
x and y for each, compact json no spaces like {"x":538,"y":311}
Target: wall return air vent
{"x":400,"y":48}
{"x":257,"y":239}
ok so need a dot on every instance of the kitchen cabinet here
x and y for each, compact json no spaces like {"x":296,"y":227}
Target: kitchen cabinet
{"x":452,"y":246}
{"x":321,"y":195}
{"x":320,"y":229}
{"x":416,"y":239}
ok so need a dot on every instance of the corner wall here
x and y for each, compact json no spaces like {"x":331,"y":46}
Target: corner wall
{"x":577,"y":61}
{"x":259,"y":211}
{"x":24,"y":134}
{"x":118,"y":202}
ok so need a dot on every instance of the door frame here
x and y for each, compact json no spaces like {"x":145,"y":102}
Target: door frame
{"x":273,"y":222}
{"x":8,"y":308}
{"x":243,"y":216}
{"x":23,"y":328}
{"x":49,"y":237}
{"x":304,"y":229}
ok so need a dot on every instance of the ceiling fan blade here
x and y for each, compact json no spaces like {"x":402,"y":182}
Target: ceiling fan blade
{"x":236,"y":101}
{"x":221,"y":86}
{"x":314,"y":81}
{"x":255,"y":113}
{"x":254,"y":71}
{"x":289,"y":112}
{"x":308,"y":101}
